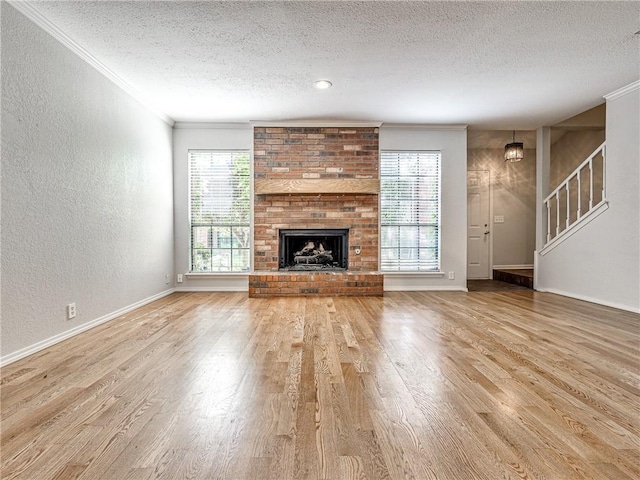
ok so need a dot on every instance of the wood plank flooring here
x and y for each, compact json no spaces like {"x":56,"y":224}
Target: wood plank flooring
{"x":422,"y":385}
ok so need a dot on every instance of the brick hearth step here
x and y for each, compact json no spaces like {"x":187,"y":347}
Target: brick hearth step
{"x":331,"y":283}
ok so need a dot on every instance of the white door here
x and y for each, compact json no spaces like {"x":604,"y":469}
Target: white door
{"x":478,"y":233}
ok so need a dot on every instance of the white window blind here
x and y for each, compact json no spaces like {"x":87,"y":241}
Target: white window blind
{"x":410,"y":210}
{"x":219,"y":213}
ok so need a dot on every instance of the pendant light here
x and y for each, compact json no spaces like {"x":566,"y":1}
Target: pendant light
{"x":513,"y":152}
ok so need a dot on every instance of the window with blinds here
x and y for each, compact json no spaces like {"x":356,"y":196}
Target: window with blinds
{"x":410,"y":210}
{"x":219,"y":192}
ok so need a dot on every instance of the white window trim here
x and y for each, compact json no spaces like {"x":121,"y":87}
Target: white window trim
{"x":222,"y":273}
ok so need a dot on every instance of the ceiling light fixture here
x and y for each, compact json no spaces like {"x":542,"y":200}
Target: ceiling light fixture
{"x":513,"y":152}
{"x":322,"y":84}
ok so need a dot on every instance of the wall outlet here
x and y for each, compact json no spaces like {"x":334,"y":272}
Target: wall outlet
{"x":71,"y":311}
{"x":166,"y":279}
{"x":179,"y":278}
{"x":452,"y":275}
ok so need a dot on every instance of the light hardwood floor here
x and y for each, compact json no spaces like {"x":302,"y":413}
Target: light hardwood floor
{"x":448,"y":385}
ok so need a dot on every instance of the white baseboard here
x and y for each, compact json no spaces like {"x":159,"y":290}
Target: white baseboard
{"x":597,"y":301}
{"x":212,"y":289}
{"x":36,"y":347}
{"x":214,"y":282}
{"x":524,"y":266}
{"x":423,"y":288}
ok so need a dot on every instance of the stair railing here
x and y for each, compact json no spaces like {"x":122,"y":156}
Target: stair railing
{"x":577,"y":195}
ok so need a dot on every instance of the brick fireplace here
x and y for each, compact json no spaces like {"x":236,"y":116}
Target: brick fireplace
{"x":316,"y":249}
{"x":316,"y":178}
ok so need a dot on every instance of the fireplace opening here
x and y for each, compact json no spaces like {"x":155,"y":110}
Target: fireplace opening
{"x":313,"y":249}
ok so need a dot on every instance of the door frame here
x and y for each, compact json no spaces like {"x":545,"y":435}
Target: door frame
{"x":490,"y":224}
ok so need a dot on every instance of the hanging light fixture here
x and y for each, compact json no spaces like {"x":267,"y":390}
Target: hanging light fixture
{"x":513,"y":152}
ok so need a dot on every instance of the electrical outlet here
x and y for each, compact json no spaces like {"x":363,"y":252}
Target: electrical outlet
{"x":166,"y":279}
{"x":179,"y":278}
{"x":452,"y":275}
{"x":71,"y":311}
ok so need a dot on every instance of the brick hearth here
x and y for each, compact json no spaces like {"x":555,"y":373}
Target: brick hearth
{"x":315,"y":283}
{"x":299,"y":154}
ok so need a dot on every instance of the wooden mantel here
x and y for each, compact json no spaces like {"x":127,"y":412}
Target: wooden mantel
{"x":317,"y":185}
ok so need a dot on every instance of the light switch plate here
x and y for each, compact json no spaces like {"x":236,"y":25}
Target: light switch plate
{"x":498,"y":219}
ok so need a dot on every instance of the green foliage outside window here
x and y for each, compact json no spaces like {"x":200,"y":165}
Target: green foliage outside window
{"x":219,"y":183}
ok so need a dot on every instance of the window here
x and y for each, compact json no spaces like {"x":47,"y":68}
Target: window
{"x":219,"y":211}
{"x":410,"y":211}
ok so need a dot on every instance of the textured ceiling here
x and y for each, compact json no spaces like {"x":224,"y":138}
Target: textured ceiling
{"x":492,"y":65}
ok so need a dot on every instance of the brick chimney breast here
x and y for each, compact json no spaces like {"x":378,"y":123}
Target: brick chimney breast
{"x":305,"y":153}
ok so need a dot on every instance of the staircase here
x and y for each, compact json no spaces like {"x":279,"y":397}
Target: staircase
{"x":577,"y":200}
{"x":521,"y":277}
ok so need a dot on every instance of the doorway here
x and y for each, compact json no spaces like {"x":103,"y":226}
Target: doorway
{"x":478,"y":231}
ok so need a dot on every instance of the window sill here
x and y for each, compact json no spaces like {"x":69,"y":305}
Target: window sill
{"x":410,"y":273}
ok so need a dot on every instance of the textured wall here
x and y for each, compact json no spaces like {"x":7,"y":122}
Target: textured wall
{"x":201,"y":137}
{"x":298,"y":153}
{"x":86,"y":191}
{"x":514,"y":197}
{"x":452,"y":142}
{"x":601,"y":261}
{"x":569,"y":151}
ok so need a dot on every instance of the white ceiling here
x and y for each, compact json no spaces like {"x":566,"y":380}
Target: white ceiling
{"x":492,"y":65}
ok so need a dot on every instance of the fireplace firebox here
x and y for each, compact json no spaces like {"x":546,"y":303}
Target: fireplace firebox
{"x":313,"y":249}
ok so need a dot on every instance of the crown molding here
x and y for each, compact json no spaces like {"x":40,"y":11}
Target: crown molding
{"x":314,"y":123}
{"x":423,"y":126}
{"x":623,"y":91}
{"x":32,"y":13}
{"x":212,"y":125}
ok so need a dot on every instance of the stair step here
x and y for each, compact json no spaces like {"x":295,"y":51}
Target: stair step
{"x":521,"y":277}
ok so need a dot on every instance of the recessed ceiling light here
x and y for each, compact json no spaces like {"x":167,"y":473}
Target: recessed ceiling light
{"x":322,"y":84}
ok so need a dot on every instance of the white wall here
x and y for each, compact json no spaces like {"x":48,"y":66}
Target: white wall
{"x":202,"y":136}
{"x":87,"y":207}
{"x":601,"y":262}
{"x":452,"y":142}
